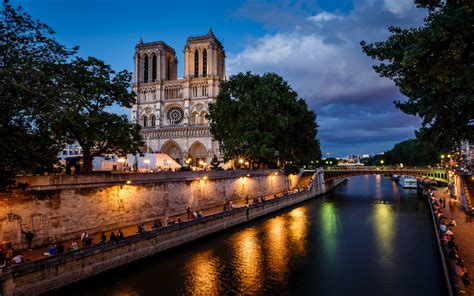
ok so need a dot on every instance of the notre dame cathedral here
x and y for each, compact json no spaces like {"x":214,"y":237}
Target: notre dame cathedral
{"x":172,"y":111}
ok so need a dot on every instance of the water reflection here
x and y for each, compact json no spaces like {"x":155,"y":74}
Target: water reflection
{"x":329,"y":229}
{"x":202,"y":275}
{"x":384,"y":226}
{"x":248,"y":260}
{"x":277,"y":247}
{"x":298,"y":231}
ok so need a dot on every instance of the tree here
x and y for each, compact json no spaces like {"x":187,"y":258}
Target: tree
{"x":215,"y":163}
{"x":432,"y":66}
{"x":31,"y":68}
{"x":412,"y":152}
{"x":261,"y":119}
{"x":93,"y":87}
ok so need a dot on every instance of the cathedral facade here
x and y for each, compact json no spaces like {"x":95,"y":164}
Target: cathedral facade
{"x":171,"y":111}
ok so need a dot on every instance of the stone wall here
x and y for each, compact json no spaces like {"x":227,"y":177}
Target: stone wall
{"x":36,"y":277}
{"x":65,"y":206}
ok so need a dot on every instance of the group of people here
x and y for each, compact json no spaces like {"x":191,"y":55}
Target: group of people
{"x":447,"y":238}
{"x":8,"y":255}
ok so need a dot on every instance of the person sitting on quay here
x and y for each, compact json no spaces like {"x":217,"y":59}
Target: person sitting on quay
{"x":103,"y":238}
{"x":188,"y":211}
{"x":17,"y":259}
{"x":3,"y":261}
{"x":156,"y":224}
{"x":51,"y":250}
{"x":195,"y":215}
{"x":144,"y":229}
{"x":60,"y":247}
{"x":200,"y":215}
{"x":452,"y":222}
{"x":119,"y":234}
{"x":74,"y":246}
{"x":112,"y":238}
{"x":139,"y":229}
{"x":442,"y":228}
{"x":88,"y":241}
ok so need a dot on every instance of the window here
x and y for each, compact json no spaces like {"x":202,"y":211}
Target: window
{"x":204,"y":63}
{"x":153,"y":120}
{"x":196,"y":63}
{"x":145,"y":69}
{"x":168,"y":69}
{"x":145,"y":121}
{"x":153,"y":68}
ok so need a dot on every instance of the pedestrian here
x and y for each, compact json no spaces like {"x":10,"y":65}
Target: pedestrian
{"x":112,"y":238}
{"x":103,"y":238}
{"x":189,"y":212}
{"x":247,"y":211}
{"x":29,"y":238}
{"x":119,"y":234}
{"x":83,"y":238}
{"x":247,"y":199}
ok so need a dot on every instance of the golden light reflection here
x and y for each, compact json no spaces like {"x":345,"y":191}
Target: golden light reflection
{"x":378,"y":187}
{"x":277,"y":246}
{"x":329,"y":229}
{"x":298,"y":229}
{"x":384,"y":231}
{"x":203,"y":275}
{"x":248,"y":254}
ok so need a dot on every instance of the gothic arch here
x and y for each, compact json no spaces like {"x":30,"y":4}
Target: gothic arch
{"x":195,"y":118}
{"x":196,"y":63}
{"x":172,"y":149}
{"x":145,"y":69}
{"x":153,"y":68}
{"x":198,"y":152}
{"x":203,"y":119}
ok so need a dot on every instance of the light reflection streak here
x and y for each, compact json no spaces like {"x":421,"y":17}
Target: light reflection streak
{"x":298,"y":230}
{"x":384,"y":232}
{"x":203,"y":275}
{"x":248,"y":257}
{"x":277,"y":246}
{"x":329,"y":229}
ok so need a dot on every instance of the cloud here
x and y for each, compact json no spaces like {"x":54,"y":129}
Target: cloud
{"x":399,"y":6}
{"x":324,"y":17}
{"x":319,"y":54}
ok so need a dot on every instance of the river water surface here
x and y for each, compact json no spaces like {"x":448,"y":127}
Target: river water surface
{"x":367,"y":237}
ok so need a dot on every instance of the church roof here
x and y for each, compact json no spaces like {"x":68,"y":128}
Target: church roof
{"x":209,"y":35}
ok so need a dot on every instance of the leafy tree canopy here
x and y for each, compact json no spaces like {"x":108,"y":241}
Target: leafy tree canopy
{"x":261,"y":119}
{"x":91,"y":87}
{"x":433,"y":67}
{"x":411,"y":152}
{"x":41,"y":86}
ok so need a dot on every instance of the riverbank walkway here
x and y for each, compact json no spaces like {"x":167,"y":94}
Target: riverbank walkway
{"x":464,"y":234}
{"x":38,"y":253}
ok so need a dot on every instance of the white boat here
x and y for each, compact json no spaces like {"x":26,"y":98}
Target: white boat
{"x":408,"y":182}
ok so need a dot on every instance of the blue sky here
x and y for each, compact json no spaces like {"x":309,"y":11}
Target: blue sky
{"x":312,"y":44}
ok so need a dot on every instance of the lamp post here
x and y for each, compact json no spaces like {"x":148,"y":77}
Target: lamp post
{"x":241,"y":161}
{"x":381,"y":163}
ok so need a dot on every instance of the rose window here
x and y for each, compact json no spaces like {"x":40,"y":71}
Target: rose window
{"x":175,"y":115}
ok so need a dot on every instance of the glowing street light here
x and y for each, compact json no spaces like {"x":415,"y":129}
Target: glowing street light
{"x":146,"y":161}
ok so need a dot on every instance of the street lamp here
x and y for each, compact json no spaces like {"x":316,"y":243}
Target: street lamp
{"x":146,"y":161}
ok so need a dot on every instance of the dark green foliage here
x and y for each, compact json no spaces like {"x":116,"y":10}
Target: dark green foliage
{"x":433,"y":67}
{"x":291,"y":169}
{"x":215,"y":163}
{"x":411,"y":152}
{"x":30,"y":72}
{"x":46,"y":100}
{"x":261,"y":119}
{"x":92,"y":86}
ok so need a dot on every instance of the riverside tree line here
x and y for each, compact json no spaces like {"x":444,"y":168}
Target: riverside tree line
{"x":49,"y":96}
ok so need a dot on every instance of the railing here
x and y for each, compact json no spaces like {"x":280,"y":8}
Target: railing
{"x":177,"y":132}
{"x":65,"y":181}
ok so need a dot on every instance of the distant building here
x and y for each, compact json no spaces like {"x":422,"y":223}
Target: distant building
{"x":172,"y":111}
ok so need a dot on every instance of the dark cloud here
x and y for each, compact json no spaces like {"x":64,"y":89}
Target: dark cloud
{"x":319,"y":54}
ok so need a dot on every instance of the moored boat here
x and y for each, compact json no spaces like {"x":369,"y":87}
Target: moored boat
{"x":408,"y":182}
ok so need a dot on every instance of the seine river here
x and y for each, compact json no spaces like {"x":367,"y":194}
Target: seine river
{"x":368,"y":237}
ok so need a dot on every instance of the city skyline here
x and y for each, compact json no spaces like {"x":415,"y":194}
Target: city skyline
{"x":313,"y":46}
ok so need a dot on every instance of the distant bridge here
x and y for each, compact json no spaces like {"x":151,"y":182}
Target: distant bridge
{"x":337,"y":172}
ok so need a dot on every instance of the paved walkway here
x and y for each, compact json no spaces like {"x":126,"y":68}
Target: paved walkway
{"x":39,"y":253}
{"x":464,"y":235}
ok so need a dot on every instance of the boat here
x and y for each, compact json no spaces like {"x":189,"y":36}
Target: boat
{"x":408,"y":182}
{"x":395,"y":177}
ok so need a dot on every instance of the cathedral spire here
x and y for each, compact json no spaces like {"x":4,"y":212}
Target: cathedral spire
{"x":210,"y":33}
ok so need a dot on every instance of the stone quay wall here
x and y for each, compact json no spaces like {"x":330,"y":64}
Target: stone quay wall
{"x":40,"y":276}
{"x":65,"y":206}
